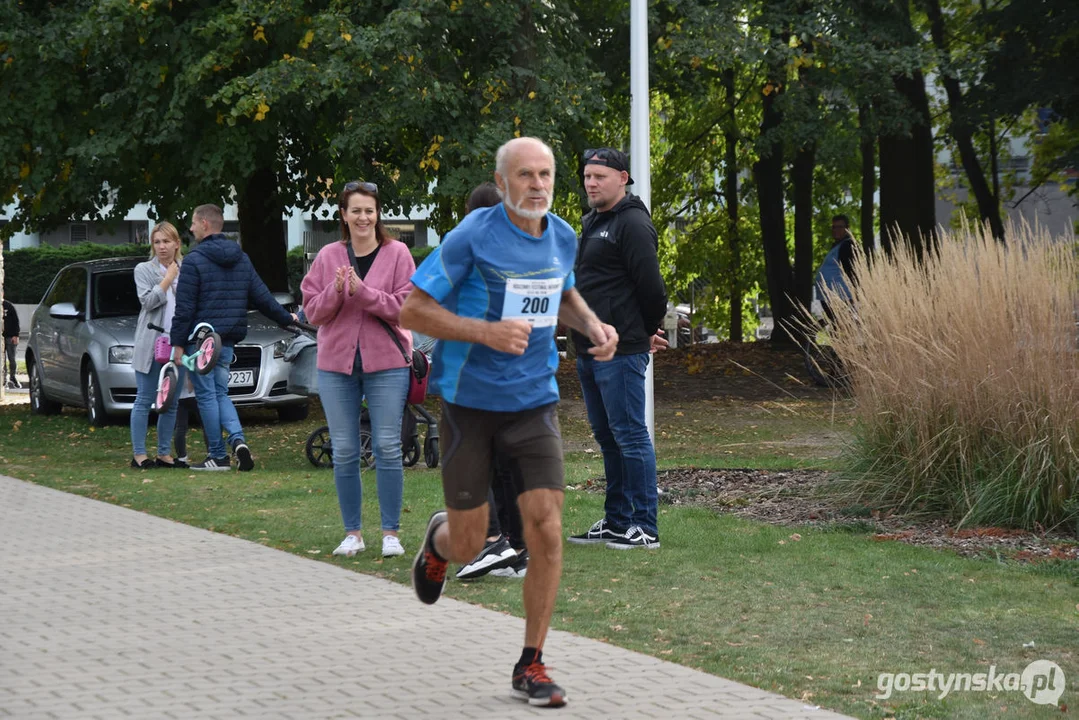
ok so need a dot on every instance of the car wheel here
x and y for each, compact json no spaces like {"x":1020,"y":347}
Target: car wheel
{"x":95,"y":401}
{"x":39,"y":403}
{"x":293,"y":413}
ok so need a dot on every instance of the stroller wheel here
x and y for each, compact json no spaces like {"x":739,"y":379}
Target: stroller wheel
{"x":367,"y":454}
{"x":319,"y":448}
{"x":430,"y":452}
{"x":411,"y":455}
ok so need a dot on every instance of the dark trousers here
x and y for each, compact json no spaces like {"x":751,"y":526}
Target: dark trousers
{"x":9,"y":350}
{"x":504,"y":517}
{"x":185,"y":408}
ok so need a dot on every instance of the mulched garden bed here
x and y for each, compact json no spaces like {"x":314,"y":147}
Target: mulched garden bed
{"x":794,"y":498}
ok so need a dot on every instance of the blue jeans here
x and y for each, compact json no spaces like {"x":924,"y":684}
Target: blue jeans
{"x":614,"y":397}
{"x":341,"y":394}
{"x":216,"y":409}
{"x":145,"y":390}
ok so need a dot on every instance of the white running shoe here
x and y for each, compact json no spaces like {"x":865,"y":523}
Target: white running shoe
{"x":391,"y":546}
{"x":350,"y":546}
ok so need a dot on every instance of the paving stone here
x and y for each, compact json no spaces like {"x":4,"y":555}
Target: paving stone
{"x":208,"y":626}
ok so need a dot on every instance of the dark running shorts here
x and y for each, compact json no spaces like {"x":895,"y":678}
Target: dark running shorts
{"x":530,"y":441}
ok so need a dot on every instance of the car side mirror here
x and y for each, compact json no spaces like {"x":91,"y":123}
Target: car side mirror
{"x":64,"y":311}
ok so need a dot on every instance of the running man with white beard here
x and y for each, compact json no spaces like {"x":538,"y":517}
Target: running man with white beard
{"x":493,"y":292}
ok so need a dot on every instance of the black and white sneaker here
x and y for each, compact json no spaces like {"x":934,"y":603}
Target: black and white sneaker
{"x":495,"y":554}
{"x":213,"y":464}
{"x":517,"y":570}
{"x":634,"y":538}
{"x":600,"y":532}
{"x":243,"y":457}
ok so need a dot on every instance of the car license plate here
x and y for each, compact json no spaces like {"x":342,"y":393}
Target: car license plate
{"x":241,"y":377}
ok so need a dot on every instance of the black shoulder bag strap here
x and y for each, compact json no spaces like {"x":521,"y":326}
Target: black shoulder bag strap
{"x":396,"y":340}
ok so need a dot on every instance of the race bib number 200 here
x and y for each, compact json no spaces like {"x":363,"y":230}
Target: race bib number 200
{"x":533,"y":300}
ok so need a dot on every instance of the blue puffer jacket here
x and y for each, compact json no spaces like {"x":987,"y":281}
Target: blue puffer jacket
{"x":217,"y":281}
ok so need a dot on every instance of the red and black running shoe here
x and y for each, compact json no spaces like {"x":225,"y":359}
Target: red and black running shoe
{"x":531,"y":683}
{"x":428,"y":570}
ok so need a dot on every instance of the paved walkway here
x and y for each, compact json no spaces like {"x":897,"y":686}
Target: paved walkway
{"x":110,"y":613}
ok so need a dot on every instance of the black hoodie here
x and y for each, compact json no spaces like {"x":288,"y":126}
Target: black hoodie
{"x":618,"y":274}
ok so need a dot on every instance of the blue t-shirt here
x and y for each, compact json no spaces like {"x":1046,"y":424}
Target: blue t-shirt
{"x":487,"y":268}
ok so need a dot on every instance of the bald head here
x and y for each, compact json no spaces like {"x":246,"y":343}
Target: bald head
{"x":510,"y":149}
{"x":524,"y":174}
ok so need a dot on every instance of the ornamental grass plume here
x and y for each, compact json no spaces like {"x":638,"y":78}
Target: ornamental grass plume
{"x":965,"y":372}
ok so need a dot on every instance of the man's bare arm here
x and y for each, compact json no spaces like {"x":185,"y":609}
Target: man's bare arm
{"x":422,"y":313}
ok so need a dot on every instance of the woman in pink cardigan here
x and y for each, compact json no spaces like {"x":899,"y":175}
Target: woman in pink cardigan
{"x":354,"y":292}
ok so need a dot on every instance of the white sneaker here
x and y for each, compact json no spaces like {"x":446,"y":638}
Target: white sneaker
{"x":391,"y":546}
{"x":350,"y":546}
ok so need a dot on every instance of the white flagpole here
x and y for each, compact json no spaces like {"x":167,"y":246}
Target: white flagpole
{"x":640,"y":146}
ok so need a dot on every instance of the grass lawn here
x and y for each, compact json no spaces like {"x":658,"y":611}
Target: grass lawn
{"x":811,"y":613}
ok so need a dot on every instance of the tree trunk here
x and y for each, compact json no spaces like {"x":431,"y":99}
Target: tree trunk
{"x":768,"y":174}
{"x":869,"y":179}
{"x":730,"y":193}
{"x":907,"y":191}
{"x":961,"y":129}
{"x":802,"y":177}
{"x":262,"y":228}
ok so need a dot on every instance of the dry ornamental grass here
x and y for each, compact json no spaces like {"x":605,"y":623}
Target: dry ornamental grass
{"x":965,"y":369}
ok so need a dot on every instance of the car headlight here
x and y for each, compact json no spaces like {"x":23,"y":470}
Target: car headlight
{"x":121,"y":354}
{"x":280,"y":347}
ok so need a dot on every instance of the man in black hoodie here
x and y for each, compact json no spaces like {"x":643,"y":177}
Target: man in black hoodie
{"x":618,"y":276}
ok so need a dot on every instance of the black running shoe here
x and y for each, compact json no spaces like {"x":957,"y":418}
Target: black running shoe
{"x":428,"y":571}
{"x":495,"y":554}
{"x":517,"y":570}
{"x":243,"y":457}
{"x":600,"y":532}
{"x":531,"y":683}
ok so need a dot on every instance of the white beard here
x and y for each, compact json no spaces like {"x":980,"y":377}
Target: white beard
{"x":529,"y":214}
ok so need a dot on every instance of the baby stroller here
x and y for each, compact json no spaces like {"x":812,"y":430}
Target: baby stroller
{"x":303,"y":380}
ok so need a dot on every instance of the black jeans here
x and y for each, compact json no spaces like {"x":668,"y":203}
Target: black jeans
{"x":9,"y":349}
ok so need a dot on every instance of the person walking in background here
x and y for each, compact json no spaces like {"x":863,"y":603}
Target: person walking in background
{"x":217,"y":283}
{"x":836,"y":271}
{"x":354,"y":292}
{"x":618,"y":276}
{"x":11,"y":342}
{"x":503,"y":553}
{"x":493,"y":292}
{"x":155,"y":283}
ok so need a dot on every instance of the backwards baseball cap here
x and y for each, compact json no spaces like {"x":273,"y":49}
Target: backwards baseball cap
{"x":608,"y":157}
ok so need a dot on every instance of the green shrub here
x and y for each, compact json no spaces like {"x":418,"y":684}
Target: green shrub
{"x":966,"y":374}
{"x":28,"y":271}
{"x":294,"y":260}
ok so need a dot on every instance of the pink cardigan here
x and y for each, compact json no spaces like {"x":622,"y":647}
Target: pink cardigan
{"x":347,"y":321}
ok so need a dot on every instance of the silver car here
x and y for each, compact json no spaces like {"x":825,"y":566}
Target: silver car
{"x":81,"y":339}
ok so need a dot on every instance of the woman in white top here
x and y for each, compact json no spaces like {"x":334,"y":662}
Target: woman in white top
{"x":155,"y":282}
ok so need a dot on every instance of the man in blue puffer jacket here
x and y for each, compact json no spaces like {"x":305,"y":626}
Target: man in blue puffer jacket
{"x":217,"y":282}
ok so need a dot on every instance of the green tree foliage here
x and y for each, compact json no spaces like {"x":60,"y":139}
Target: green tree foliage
{"x":1030,"y":69}
{"x":271,"y":104}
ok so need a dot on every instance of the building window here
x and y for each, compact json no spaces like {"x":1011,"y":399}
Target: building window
{"x":78,"y":232}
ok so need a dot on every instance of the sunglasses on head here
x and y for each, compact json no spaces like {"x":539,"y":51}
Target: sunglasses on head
{"x":600,"y":154}
{"x":361,"y":185}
